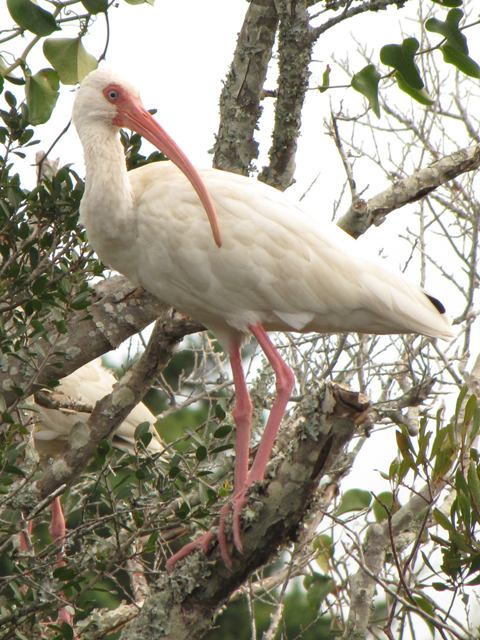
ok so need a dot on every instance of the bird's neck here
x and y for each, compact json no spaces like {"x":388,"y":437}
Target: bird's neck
{"x":107,"y":209}
{"x":107,"y":202}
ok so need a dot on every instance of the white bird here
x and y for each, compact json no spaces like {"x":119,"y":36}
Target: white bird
{"x":275,"y":267}
{"x":55,"y":426}
{"x":76,"y":394}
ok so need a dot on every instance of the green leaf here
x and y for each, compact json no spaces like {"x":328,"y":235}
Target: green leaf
{"x":426,"y":604}
{"x":460,"y":399}
{"x":325,"y":80}
{"x":142,"y":430}
{"x":470,"y":408}
{"x":201,"y":453}
{"x":323,"y":546}
{"x":220,"y":412}
{"x":95,"y":6}
{"x":449,"y":3}
{"x":354,"y":500}
{"x":401,"y":57}
{"x":140,"y":2}
{"x":69,"y":58}
{"x":67,"y":631}
{"x":30,"y":16}
{"x":366,"y":82}
{"x":450,"y":30}
{"x":81,"y":301}
{"x":383,"y":505}
{"x":474,"y":485}
{"x":442,"y":520}
{"x":42,"y":93}
{"x":318,"y":587}
{"x":40,"y":284}
{"x":455,"y":50}
{"x":222,"y":431}
{"x":405,"y":446}
{"x":420,"y":95}
{"x":464,"y":63}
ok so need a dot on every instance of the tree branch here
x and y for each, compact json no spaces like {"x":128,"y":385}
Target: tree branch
{"x":181,"y":605}
{"x":295,"y":44}
{"x":240,"y":109}
{"x":351,"y":11}
{"x":365,"y":213}
{"x":108,"y":413}
{"x":118,"y":311}
{"x":378,"y":540}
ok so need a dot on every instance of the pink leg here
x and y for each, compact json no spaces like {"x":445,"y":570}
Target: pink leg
{"x":202,"y":542}
{"x":57,"y":526}
{"x":58,"y":530}
{"x":242,"y":414}
{"x":243,"y":419}
{"x":285,"y":381}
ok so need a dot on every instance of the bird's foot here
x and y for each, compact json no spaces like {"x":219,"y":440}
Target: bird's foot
{"x":237,"y":503}
{"x":203,"y":542}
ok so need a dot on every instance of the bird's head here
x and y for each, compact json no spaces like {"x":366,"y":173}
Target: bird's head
{"x":105,"y":98}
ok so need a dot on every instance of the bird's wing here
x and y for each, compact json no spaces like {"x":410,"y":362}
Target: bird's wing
{"x":278,"y":265}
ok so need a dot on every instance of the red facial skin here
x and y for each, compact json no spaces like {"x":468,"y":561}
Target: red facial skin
{"x":132,"y":114}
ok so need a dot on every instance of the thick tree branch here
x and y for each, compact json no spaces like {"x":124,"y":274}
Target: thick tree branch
{"x":182,"y":604}
{"x":365,"y":213}
{"x":108,"y":413}
{"x":240,"y":109}
{"x":295,"y":43}
{"x":118,"y":311}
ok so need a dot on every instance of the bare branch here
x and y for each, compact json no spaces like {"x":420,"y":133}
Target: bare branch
{"x":363,"y":214}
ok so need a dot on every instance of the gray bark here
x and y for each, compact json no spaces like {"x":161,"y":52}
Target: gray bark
{"x":294,"y":57}
{"x":365,"y":213}
{"x":182,"y":604}
{"x":118,"y":311}
{"x":240,"y":109}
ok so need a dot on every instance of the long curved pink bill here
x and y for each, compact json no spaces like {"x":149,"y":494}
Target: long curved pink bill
{"x":136,"y":117}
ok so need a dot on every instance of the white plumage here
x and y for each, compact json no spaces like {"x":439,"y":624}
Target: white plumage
{"x":259,"y":262}
{"x":53,"y":429}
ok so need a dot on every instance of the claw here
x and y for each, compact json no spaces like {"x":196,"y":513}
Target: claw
{"x":238,"y":505}
{"x":222,"y":538}
{"x":202,"y":542}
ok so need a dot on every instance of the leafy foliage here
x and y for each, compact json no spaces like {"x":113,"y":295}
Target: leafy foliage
{"x":402,"y":58}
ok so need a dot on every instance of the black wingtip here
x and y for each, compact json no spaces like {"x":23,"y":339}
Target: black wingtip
{"x":436,"y":303}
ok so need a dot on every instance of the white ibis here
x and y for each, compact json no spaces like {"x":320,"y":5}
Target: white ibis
{"x":55,"y":428}
{"x":274,"y":268}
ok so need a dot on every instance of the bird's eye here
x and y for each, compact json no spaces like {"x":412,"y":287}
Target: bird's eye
{"x":112,"y":94}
